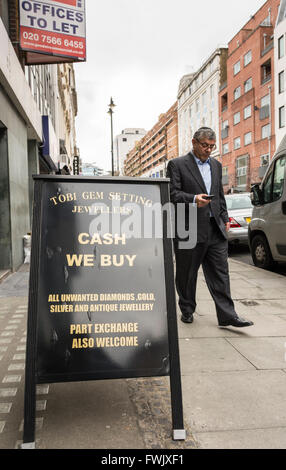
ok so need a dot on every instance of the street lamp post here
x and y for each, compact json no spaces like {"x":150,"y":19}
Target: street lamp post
{"x":110,"y":111}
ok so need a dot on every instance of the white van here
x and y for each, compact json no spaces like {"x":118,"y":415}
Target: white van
{"x":267,"y":229}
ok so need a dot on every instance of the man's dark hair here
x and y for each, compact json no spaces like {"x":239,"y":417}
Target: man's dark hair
{"x":204,"y":132}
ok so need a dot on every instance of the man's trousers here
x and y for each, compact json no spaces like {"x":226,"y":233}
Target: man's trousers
{"x":213,"y":256}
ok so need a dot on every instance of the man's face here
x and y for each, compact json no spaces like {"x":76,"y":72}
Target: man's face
{"x":203,"y":148}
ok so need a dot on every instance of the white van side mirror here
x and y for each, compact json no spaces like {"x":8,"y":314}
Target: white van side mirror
{"x":256,"y":195}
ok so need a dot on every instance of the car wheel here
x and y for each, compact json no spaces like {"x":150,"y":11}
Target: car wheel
{"x":261,"y":253}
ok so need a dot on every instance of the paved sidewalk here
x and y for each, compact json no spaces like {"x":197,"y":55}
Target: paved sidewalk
{"x":234,"y":381}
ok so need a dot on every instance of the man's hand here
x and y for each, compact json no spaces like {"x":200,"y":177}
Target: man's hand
{"x":227,"y":226}
{"x":200,"y":201}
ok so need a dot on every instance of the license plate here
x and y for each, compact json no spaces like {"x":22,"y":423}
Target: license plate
{"x":248,"y":219}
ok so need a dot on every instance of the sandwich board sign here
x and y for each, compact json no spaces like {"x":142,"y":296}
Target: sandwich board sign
{"x":101,"y":295}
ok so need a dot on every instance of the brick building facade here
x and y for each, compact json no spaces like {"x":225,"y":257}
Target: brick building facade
{"x":246,"y":101}
{"x":150,"y":155}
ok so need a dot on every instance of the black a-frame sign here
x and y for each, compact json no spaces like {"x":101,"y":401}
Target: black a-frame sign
{"x":101,"y":302}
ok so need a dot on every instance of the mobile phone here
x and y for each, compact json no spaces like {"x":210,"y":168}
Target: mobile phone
{"x":209,"y":198}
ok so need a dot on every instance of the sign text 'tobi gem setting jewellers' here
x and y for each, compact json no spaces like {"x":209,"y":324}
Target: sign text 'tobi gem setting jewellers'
{"x":53,"y":27}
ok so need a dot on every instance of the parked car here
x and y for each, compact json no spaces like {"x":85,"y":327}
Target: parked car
{"x":267,"y":230}
{"x":239,"y":208}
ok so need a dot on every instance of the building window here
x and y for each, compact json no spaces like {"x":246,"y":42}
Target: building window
{"x":236,"y":68}
{"x":281,"y":47}
{"x":247,"y":85}
{"x":264,"y":107}
{"x":265,"y":131}
{"x":236,"y":143}
{"x":224,"y":129}
{"x":204,"y":99}
{"x":247,"y":138}
{"x":247,"y":112}
{"x":224,"y":102}
{"x":124,"y":139}
{"x":266,"y":72}
{"x":247,"y":58}
{"x":212,"y":96}
{"x":236,"y":118}
{"x":265,"y":101}
{"x":197,"y":105}
{"x":281,"y":82}
{"x":224,"y":175}
{"x":281,"y":117}
{"x":241,"y":170}
{"x":225,"y":148}
{"x":237,"y":93}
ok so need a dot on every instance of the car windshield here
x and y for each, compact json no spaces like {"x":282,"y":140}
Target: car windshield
{"x":238,"y":202}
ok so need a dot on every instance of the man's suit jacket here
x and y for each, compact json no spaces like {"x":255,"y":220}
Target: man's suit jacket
{"x":186,"y":181}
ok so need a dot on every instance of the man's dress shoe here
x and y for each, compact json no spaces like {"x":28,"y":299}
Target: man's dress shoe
{"x":187,"y":318}
{"x":238,"y":322}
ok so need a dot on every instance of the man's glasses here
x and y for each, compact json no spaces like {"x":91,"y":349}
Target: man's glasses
{"x":205,"y":146}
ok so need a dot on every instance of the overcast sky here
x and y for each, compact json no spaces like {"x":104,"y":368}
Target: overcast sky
{"x":137,"y":51}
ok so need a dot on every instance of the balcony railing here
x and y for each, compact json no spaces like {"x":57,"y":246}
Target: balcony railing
{"x":267,"y":48}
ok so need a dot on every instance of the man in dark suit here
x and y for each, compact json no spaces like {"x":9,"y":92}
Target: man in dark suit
{"x":193,"y":178}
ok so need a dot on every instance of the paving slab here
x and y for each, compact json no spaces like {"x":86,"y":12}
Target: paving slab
{"x":4,"y":273}
{"x":258,"y":293}
{"x":237,"y":266}
{"x":253,"y":273}
{"x":272,"y":438}
{"x":228,"y":401}
{"x":242,"y":307}
{"x":263,"y":353}
{"x":206,"y":307}
{"x":273,"y":307}
{"x":267,"y":283}
{"x":15,"y":285}
{"x":206,"y":326}
{"x":203,"y":292}
{"x":265,"y":325}
{"x":101,"y":410}
{"x":210,"y":354}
